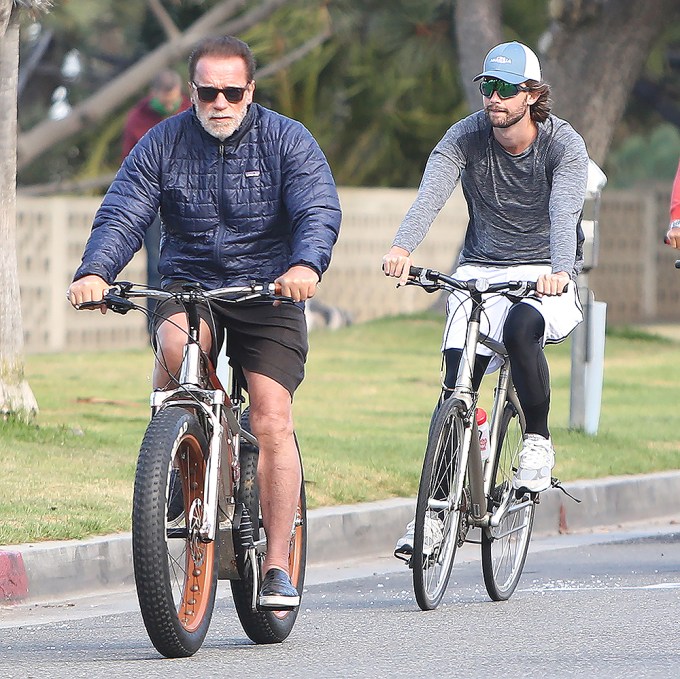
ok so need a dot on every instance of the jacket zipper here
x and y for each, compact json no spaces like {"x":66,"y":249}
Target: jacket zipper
{"x":220,"y":217}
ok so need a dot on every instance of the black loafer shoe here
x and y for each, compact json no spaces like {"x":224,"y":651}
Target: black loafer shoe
{"x":277,"y":592}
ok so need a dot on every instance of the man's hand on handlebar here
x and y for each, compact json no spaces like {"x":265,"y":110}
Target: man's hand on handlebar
{"x":552,"y":284}
{"x":89,"y":288}
{"x":396,"y":263}
{"x":299,"y":283}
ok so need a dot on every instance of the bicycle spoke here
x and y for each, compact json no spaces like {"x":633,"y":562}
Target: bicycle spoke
{"x":506,"y":541}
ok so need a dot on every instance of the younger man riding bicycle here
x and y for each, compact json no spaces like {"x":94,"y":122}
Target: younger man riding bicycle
{"x":523,"y":172}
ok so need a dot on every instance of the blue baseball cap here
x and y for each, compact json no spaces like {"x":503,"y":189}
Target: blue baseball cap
{"x":512,"y":62}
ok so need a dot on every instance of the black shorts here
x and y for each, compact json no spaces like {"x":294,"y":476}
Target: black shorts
{"x":262,"y":338}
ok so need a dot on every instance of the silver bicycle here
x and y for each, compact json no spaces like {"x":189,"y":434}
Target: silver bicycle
{"x":458,"y":491}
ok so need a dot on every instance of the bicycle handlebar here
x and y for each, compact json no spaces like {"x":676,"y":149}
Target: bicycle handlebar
{"x":119,"y":295}
{"x":429,"y":278}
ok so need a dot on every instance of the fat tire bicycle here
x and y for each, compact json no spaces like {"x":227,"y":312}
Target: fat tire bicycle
{"x":457,"y":490}
{"x":196,"y":514}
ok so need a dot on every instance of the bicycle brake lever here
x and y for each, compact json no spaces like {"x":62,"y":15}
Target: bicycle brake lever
{"x":117,"y":304}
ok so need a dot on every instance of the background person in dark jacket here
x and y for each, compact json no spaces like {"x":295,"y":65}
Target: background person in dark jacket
{"x":244,"y":194}
{"x":165,"y":98}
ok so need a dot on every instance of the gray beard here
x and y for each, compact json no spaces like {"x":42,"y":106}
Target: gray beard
{"x":218,"y":131}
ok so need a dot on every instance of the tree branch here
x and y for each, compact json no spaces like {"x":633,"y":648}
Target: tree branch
{"x":164,"y":19}
{"x":295,"y":55}
{"x":44,"y":135}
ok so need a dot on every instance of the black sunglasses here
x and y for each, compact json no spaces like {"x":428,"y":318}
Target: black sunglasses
{"x":505,"y":90}
{"x":232,"y":94}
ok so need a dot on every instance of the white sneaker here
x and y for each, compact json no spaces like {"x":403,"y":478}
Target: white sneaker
{"x":536,"y":460}
{"x":434,"y":533}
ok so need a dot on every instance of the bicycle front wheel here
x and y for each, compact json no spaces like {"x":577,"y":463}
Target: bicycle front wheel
{"x":505,"y":546}
{"x":440,"y":509}
{"x":266,"y":626}
{"x":175,"y":570}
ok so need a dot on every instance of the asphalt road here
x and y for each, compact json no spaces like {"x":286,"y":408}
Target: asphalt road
{"x":598,"y":605}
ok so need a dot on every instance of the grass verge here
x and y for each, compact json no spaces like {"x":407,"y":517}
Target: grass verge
{"x":361,"y":415}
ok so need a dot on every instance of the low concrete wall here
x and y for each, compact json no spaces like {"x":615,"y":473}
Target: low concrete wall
{"x":634,"y":275}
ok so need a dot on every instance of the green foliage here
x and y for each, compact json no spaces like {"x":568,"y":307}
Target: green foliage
{"x":645,"y":157}
{"x":378,"y":94}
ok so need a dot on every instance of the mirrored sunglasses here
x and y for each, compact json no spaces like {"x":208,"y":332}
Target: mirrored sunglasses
{"x":505,"y":90}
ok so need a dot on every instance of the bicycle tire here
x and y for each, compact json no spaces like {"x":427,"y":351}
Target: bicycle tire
{"x":504,"y":548}
{"x":265,"y":626}
{"x":438,"y":500}
{"x":175,"y":572}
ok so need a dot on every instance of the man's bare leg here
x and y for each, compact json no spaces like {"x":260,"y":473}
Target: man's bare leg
{"x":171,"y":338}
{"x":278,"y":474}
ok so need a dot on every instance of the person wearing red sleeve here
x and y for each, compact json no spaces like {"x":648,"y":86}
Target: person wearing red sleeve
{"x":673,"y":235}
{"x":165,"y":98}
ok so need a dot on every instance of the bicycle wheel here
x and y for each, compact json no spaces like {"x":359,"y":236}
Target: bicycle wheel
{"x":504,"y":547}
{"x":440,"y":510}
{"x":266,"y":627}
{"x":175,"y":571}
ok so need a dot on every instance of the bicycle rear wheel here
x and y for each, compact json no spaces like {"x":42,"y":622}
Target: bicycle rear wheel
{"x":266,"y":626}
{"x":504,"y":547}
{"x":440,"y":510}
{"x":175,"y":571}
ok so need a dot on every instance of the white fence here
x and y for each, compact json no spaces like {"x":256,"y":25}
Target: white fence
{"x":634,"y":275}
{"x":51,"y":235}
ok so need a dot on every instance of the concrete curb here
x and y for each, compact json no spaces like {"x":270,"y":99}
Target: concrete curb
{"x":58,"y":570}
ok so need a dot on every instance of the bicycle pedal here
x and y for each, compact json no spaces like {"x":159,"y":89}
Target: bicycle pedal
{"x":406,"y":558}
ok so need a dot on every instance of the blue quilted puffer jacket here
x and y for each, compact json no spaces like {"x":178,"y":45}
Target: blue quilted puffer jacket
{"x":242,"y":210}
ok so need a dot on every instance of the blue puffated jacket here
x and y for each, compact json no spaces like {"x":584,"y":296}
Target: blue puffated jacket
{"x":242,"y":210}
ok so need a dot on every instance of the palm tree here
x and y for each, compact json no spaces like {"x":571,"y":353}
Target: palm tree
{"x":16,"y":397}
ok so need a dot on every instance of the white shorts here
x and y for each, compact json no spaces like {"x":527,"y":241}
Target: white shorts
{"x":562,"y":313}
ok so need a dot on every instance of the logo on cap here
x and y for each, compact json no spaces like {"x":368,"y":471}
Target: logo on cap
{"x":500,"y":60}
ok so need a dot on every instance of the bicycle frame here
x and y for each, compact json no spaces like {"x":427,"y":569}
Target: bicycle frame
{"x":480,"y":474}
{"x":220,"y":409}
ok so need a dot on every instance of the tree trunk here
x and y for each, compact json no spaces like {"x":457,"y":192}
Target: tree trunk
{"x":5,"y":13}
{"x":16,"y":397}
{"x":595,"y":53}
{"x":478,"y":29}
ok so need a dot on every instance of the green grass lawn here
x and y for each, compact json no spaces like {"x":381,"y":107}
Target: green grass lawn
{"x":361,"y":415}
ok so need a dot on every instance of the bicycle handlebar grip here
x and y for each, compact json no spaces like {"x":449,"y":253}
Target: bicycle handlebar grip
{"x":91,"y":305}
{"x":415,"y":271}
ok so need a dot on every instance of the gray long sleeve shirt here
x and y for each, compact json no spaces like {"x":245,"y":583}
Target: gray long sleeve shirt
{"x":523,"y":209}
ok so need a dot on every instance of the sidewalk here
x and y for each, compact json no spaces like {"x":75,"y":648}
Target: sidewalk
{"x":58,"y":570}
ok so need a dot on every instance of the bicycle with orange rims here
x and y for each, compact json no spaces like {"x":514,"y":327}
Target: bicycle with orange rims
{"x":196,"y":514}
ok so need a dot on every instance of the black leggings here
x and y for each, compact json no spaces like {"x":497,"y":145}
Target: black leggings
{"x":523,"y":338}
